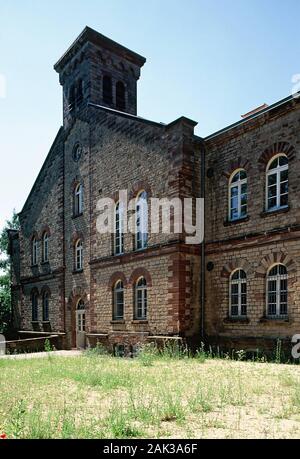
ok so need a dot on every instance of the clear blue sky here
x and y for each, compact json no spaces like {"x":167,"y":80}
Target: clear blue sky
{"x":210,"y":60}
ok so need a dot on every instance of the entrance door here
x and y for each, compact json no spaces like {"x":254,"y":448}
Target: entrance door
{"x":80,"y":325}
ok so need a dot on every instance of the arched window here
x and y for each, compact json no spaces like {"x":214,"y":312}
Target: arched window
{"x":45,"y":307}
{"x":119,"y":229}
{"x":277,"y":291}
{"x":45,"y":247}
{"x":277,"y":188}
{"x":118,"y":295}
{"x":78,"y":255}
{"x":238,"y":294}
{"x":238,"y":195}
{"x":34,"y":306}
{"x":107,"y":89}
{"x":120,"y":95}
{"x":78,"y":200}
{"x":141,"y":299}
{"x":141,"y":221}
{"x":34,"y":251}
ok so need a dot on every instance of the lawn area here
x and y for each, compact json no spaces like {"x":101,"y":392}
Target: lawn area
{"x":93,"y":396}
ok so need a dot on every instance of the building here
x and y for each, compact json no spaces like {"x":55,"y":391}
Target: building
{"x":239,"y":288}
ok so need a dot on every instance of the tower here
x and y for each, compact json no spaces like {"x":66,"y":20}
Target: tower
{"x":98,"y":70}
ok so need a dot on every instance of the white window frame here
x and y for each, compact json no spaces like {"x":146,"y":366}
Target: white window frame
{"x":141,"y":221}
{"x":239,"y":185}
{"x":238,"y":282}
{"x":143,"y":290}
{"x":118,"y":288}
{"x":78,"y":200}
{"x":79,"y":255}
{"x":119,"y":230}
{"x":277,"y":171}
{"x":277,"y":278}
{"x":34,"y":248}
{"x":45,"y":247}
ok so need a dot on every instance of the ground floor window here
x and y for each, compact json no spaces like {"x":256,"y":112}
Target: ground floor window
{"x":277,"y":291}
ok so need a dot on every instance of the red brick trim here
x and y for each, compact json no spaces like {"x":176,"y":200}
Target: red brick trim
{"x":237,"y":263}
{"x":140,"y":272}
{"x":35,"y":235}
{"x":45,"y":289}
{"x":138,"y":187}
{"x":45,"y":230}
{"x":75,"y":236}
{"x":238,"y":163}
{"x":34,"y":290}
{"x":279,"y":147}
{"x":276,"y":258}
{"x":78,"y":294}
{"x":75,"y":182}
{"x":115,"y":277}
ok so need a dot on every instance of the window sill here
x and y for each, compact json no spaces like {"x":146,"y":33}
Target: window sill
{"x":77,"y":271}
{"x":45,"y":263}
{"x":34,"y":266}
{"x":46,"y":322}
{"x":139,"y":321}
{"x":34,"y":322}
{"x":282,"y":210}
{"x":237,"y":221}
{"x":238,"y":319}
{"x":283,"y":319}
{"x":117,"y":322}
{"x":77,"y":215}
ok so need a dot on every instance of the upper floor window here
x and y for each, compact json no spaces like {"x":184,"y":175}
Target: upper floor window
{"x":119,"y":229}
{"x":141,"y":221}
{"x":238,"y":195}
{"x":34,"y":306}
{"x":277,"y":291}
{"x":45,"y":307}
{"x":277,"y":188}
{"x":45,"y":257}
{"x":78,"y":255}
{"x":118,"y":311}
{"x":141,"y":299}
{"x":34,"y":251}
{"x":238,"y":293}
{"x":120,"y":95}
{"x":107,"y":89}
{"x":78,"y":200}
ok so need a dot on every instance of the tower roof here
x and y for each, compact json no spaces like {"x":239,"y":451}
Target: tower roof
{"x":96,"y":38}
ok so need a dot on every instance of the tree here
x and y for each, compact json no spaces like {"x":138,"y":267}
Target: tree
{"x":5,"y":294}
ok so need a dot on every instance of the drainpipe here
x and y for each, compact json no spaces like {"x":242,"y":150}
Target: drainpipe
{"x":202,"y":278}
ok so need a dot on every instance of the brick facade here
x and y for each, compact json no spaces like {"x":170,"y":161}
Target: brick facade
{"x":119,"y":151}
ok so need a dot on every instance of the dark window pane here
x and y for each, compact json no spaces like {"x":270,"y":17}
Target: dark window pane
{"x":283,"y":160}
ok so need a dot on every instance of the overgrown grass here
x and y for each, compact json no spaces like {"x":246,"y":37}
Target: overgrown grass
{"x":158,"y":395}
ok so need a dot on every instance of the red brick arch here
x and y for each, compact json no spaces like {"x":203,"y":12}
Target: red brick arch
{"x":275,"y":149}
{"x":276,"y":258}
{"x":237,"y":163}
{"x":115,"y":277}
{"x":45,"y":230}
{"x":140,"y":272}
{"x":45,"y":289}
{"x":76,"y":294}
{"x":138,"y":187}
{"x":237,"y":263}
{"x":75,"y":236}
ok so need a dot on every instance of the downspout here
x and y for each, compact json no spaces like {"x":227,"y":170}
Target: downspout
{"x":202,"y":278}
